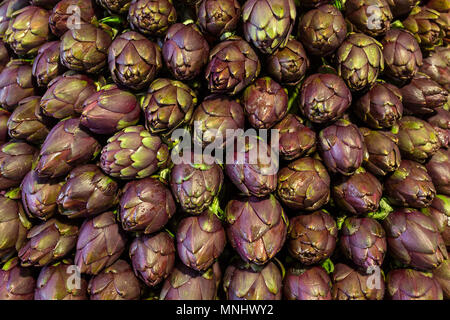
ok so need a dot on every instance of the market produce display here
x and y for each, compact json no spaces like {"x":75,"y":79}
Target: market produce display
{"x":224,"y":150}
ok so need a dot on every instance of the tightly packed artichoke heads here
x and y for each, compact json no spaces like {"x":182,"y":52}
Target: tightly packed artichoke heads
{"x":118,"y":161}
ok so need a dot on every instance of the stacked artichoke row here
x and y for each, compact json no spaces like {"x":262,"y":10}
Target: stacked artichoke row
{"x":93,"y":205}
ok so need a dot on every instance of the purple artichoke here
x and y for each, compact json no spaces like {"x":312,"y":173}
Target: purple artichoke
{"x":437,"y":66}
{"x":46,"y":65}
{"x":16,"y":159}
{"x":440,"y":122}
{"x":7,"y":9}
{"x":442,"y":275}
{"x":439,"y":170}
{"x":16,"y":282}
{"x":4,"y":117}
{"x":218,"y":17}
{"x":439,"y":211}
{"x":70,"y":14}
{"x":400,"y":8}
{"x":373,"y":17}
{"x":409,"y":284}
{"x":115,"y":6}
{"x":307,"y":284}
{"x":152,"y":17}
{"x":15,"y":84}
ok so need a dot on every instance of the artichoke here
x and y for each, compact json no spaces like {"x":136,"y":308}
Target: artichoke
{"x":28,"y":30}
{"x":46,"y":65}
{"x":265,"y":103}
{"x":4,"y":117}
{"x":85,"y":49}
{"x":200,"y":240}
{"x":115,"y":6}
{"x":15,"y":84}
{"x":307,"y":284}
{"x":442,"y":275}
{"x":16,"y":159}
{"x":59,"y":282}
{"x":322,"y":30}
{"x":146,"y":206}
{"x":233,"y":65}
{"x":410,"y":186}
{"x":110,"y":110}
{"x":65,"y":147}
{"x":87,"y":192}
{"x":402,"y":55}
{"x":296,"y":139}
{"x":359,"y":61}
{"x":39,"y":196}
{"x":4,"y":55}
{"x":439,"y":211}
{"x":289,"y":64}
{"x":244,"y":281}
{"x":437,"y":67}
{"x":62,"y":16}
{"x":363,"y":241}
{"x":373,"y":17}
{"x":439,"y":170}
{"x":153,"y":257}
{"x":48,"y":242}
{"x":409,"y":284}
{"x":152,"y":17}
{"x":324,"y":98}
{"x":312,"y":237}
{"x":133,"y":153}
{"x":218,"y":17}
{"x":304,"y":184}
{"x":414,"y":239}
{"x":117,"y":282}
{"x":7,"y":9}
{"x":440,"y":122}
{"x":47,"y":4}
{"x":167,"y":105}
{"x":381,"y":107}
{"x":133,"y":60}
{"x":16,"y":282}
{"x":400,"y":8}
{"x":65,"y":95}
{"x":185,"y":51}
{"x":256,"y":228}
{"x":350,"y":284}
{"x":100,"y":243}
{"x":342,"y":147}
{"x":196,"y":184}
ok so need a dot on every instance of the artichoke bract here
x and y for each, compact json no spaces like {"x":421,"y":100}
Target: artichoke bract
{"x":363,"y":241}
{"x":117,"y":282}
{"x":322,"y":30}
{"x":439,"y":211}
{"x":185,"y":51}
{"x":265,"y":103}
{"x":7,"y":9}
{"x":312,"y":237}
{"x":152,"y":17}
{"x":28,"y":30}
{"x":146,"y":206}
{"x":307,"y":284}
{"x":410,"y":186}
{"x":100,"y":243}
{"x":381,"y":107}
{"x":167,"y":105}
{"x":195,"y":185}
{"x":400,"y":8}
{"x":358,"y":194}
{"x":85,"y":49}
{"x":109,"y":110}
{"x":46,"y":65}
{"x":4,"y":118}
{"x":342,"y":147}
{"x":4,"y":55}
{"x":70,"y":14}
{"x":289,"y":64}
{"x":439,"y":170}
{"x":233,"y":65}
{"x":324,"y":98}
{"x":245,"y":281}
{"x":13,"y":227}
{"x":351,"y":284}
{"x":65,"y":95}
{"x":442,"y":275}
{"x":48,"y":242}
{"x":15,"y":84}
{"x":373,"y":17}
{"x":16,"y":159}
{"x":417,"y":140}
{"x":55,"y":282}
{"x":257,"y":228}
{"x":87,"y":192}
{"x":16,"y":282}
{"x":359,"y":61}
{"x":440,"y":122}
{"x":218,"y":17}
{"x":133,"y":60}
{"x":409,"y":284}
{"x":253,"y":168}
{"x":187,"y":284}
{"x":67,"y":145}
{"x":414,"y":239}
{"x":304,"y":184}
{"x":200,"y":240}
{"x":115,"y":6}
{"x":216,"y":115}
{"x":39,"y":196}
{"x":133,"y":153}
{"x":296,"y":139}
{"x":402,"y":55}
{"x":437,"y":67}
{"x":153,"y":257}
